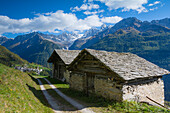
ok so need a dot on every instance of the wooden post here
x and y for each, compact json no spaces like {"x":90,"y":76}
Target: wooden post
{"x":157,"y":103}
{"x":86,"y":76}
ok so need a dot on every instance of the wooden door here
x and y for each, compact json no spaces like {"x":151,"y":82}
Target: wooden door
{"x":61,"y":71}
{"x":89,"y":83}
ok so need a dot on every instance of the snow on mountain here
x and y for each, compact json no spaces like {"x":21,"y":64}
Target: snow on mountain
{"x":65,"y":39}
{"x":87,"y":36}
{"x":90,"y":32}
{"x":104,"y":26}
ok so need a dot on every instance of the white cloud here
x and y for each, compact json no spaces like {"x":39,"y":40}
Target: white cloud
{"x":85,"y":24}
{"x":51,"y":23}
{"x":156,"y":2}
{"x":126,"y":5}
{"x":90,"y":13}
{"x":152,"y":9}
{"x":93,"y":13}
{"x":113,"y":19}
{"x":88,"y":6}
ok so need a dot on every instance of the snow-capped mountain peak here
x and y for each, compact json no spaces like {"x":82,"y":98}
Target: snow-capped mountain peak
{"x":104,"y":26}
{"x":90,"y":32}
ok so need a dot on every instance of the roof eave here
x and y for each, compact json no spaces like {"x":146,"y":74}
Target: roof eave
{"x":49,"y":59}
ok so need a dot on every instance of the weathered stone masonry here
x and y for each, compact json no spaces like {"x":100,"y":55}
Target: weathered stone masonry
{"x":153,"y":88}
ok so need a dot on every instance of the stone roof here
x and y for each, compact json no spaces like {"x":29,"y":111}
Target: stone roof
{"x":67,"y":55}
{"x":127,"y":65}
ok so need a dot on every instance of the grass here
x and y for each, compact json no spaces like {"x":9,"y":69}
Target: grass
{"x":100,"y":104}
{"x":20,"y":93}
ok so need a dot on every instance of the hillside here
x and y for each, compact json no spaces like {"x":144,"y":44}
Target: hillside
{"x":32,"y":47}
{"x":153,"y":48}
{"x":19,"y":93}
{"x":8,"y":58}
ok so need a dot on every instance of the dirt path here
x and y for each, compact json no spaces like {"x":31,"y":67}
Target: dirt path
{"x":77,"y":105}
{"x":50,"y":99}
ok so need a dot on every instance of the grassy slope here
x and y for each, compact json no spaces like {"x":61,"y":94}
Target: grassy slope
{"x":8,"y":58}
{"x":20,"y":93}
{"x":100,"y":104}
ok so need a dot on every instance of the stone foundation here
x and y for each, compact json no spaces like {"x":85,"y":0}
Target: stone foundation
{"x":154,"y":89}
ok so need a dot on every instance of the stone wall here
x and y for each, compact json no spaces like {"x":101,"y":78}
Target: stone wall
{"x":107,"y":89}
{"x":153,"y":88}
{"x":76,"y":81}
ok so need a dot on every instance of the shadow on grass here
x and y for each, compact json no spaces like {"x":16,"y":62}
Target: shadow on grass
{"x":54,"y":81}
{"x":38,"y":96}
{"x":34,"y":79}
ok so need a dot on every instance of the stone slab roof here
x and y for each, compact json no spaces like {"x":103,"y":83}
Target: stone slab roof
{"x":127,"y":65}
{"x":67,"y":55}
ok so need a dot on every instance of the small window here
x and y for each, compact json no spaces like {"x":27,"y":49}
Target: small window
{"x":118,"y":87}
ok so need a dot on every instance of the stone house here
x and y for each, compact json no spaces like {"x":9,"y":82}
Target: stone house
{"x":117,"y":76}
{"x":60,"y":60}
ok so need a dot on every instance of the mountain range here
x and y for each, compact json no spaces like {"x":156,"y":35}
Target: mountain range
{"x":128,"y":25}
{"x":37,"y":47}
{"x":147,"y":39}
{"x":150,"y":40}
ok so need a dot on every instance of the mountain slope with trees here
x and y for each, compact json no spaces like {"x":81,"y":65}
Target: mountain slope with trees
{"x":32,"y":47}
{"x":8,"y":58}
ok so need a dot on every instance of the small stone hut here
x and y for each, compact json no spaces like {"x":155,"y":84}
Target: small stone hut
{"x":60,"y":60}
{"x":117,"y":76}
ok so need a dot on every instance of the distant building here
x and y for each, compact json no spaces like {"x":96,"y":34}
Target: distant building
{"x":26,"y":69}
{"x":61,"y":59}
{"x":118,"y":76}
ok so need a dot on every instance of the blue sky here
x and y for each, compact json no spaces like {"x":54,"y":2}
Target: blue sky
{"x":57,"y":16}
